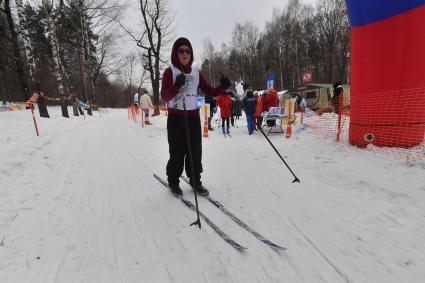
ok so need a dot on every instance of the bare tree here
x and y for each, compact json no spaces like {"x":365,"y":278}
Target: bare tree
{"x":108,"y":62}
{"x":331,"y":21}
{"x":209,"y":56}
{"x":143,"y":75}
{"x":244,"y":39}
{"x":102,"y":14}
{"x":128,"y":72}
{"x":157,"y":34}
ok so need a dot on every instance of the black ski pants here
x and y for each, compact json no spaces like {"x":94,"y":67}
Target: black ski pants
{"x":225,"y":120}
{"x":178,"y":148}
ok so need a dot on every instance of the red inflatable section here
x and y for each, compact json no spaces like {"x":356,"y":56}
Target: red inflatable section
{"x":388,"y":81}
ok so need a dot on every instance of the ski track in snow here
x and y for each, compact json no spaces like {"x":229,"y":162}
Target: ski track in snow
{"x":80,"y":204}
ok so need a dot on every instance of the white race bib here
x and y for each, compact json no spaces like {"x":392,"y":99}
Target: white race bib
{"x":188,"y":92}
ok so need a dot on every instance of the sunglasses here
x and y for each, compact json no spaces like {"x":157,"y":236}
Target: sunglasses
{"x":183,"y":50}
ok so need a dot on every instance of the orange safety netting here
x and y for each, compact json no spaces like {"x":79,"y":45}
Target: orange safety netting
{"x":392,"y":123}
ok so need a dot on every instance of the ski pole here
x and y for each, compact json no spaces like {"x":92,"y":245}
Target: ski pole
{"x":192,"y":167}
{"x":296,"y":180}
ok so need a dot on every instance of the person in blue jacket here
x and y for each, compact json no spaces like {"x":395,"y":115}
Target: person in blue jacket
{"x":250,"y":103}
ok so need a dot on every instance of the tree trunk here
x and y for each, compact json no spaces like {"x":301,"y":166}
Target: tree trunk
{"x":82,"y":68}
{"x":155,"y":86}
{"x":27,"y":42}
{"x":16,"y":51}
{"x":81,"y":51}
{"x":55,"y":49}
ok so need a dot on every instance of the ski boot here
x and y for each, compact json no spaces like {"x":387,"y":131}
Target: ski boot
{"x":200,"y":189}
{"x":175,"y":189}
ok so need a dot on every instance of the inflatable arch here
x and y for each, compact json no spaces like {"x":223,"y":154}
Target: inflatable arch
{"x":387,"y":72}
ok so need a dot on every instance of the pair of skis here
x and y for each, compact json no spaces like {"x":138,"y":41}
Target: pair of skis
{"x":223,"y":235}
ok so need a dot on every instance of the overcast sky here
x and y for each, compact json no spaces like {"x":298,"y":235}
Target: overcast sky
{"x":199,"y":19}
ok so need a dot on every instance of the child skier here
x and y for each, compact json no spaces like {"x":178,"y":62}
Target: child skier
{"x":225,"y":103}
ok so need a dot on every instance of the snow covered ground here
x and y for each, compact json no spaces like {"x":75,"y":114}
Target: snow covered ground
{"x":79,"y":204}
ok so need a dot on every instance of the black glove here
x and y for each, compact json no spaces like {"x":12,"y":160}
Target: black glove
{"x":225,"y":83}
{"x":180,"y":80}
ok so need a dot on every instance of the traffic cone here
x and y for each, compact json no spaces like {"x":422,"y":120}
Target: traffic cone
{"x":288,"y":132}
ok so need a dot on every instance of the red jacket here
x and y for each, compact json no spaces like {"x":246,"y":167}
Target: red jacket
{"x":169,"y":90}
{"x":225,"y":104}
{"x":271,"y":100}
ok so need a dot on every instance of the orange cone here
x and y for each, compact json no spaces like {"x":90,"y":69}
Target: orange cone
{"x":288,"y":132}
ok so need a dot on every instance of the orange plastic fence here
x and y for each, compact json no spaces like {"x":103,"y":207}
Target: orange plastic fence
{"x":398,"y":132}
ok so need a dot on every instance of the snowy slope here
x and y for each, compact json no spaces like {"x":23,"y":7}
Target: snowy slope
{"x":79,"y":204}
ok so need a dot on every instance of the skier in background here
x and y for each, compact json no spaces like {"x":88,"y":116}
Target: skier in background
{"x":145,"y":105}
{"x":225,"y":104}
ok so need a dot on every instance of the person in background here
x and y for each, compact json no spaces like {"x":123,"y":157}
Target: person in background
{"x":335,"y":100}
{"x":258,"y":119}
{"x":250,"y":103}
{"x":270,"y":100}
{"x":146,"y":104}
{"x":211,"y":101}
{"x":225,"y":103}
{"x":238,"y":110}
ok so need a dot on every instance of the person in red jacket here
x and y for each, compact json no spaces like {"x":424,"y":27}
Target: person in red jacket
{"x":180,"y":83}
{"x":271,"y":100}
{"x":225,"y":103}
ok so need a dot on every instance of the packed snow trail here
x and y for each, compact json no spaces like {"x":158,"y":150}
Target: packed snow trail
{"x":189,"y":204}
{"x":75,"y":207}
{"x":217,"y":204}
